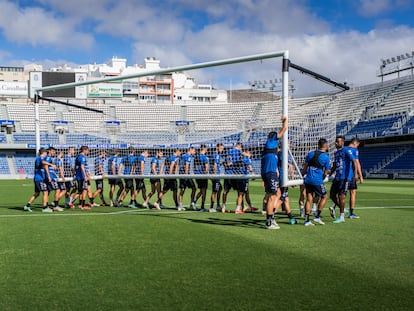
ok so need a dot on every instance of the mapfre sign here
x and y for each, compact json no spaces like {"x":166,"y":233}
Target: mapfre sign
{"x":15,"y":89}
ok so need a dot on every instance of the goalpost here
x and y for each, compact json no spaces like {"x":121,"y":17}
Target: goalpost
{"x":167,"y":127}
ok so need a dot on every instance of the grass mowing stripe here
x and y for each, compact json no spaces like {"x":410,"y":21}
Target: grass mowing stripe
{"x":169,"y":260}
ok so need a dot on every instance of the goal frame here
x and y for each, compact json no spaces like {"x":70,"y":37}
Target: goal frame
{"x":243,"y":59}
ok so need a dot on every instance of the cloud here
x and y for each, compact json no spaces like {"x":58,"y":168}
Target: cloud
{"x":169,"y":55}
{"x":4,"y":55}
{"x":371,"y":8}
{"x":180,"y":32}
{"x":35,"y":26}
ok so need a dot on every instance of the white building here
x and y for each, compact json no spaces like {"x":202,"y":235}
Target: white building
{"x":167,"y":88}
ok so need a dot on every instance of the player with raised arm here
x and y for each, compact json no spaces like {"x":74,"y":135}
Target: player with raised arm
{"x":157,"y":168}
{"x":353,"y":146}
{"x":82,"y":176}
{"x":317,"y":167}
{"x":128,"y":165}
{"x":215,"y":169}
{"x":52,"y":183}
{"x":69,"y":170}
{"x":113,"y":170}
{"x":100,"y":171}
{"x":40,"y":184}
{"x":185,"y":165}
{"x":200,"y":168}
{"x":171,"y":168}
{"x":269,"y":174}
{"x":232,"y":165}
{"x":243,"y":184}
{"x":344,"y":168}
{"x":139,"y":182}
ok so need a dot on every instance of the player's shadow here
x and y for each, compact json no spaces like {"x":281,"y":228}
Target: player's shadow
{"x":236,"y":222}
{"x":16,"y":208}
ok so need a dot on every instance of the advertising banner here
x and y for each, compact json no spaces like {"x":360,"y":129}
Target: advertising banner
{"x":110,"y":90}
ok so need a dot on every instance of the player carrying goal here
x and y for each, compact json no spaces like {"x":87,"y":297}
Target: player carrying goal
{"x":269,"y":173}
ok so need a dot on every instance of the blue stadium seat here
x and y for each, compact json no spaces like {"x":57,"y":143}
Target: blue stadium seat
{"x":377,"y":126}
{"x":3,"y":138}
{"x":4,"y":166}
{"x":405,"y":162}
{"x":409,"y":127}
{"x":26,"y":162}
{"x":341,"y":125}
{"x":370,"y":157}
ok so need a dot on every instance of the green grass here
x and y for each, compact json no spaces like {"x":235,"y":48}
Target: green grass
{"x":149,"y":260}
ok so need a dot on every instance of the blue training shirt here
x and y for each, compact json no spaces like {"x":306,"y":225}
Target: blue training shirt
{"x":157,"y":163}
{"x":269,"y":163}
{"x":68,"y":165}
{"x":173,"y":159}
{"x":355,"y":153}
{"x":128,"y":162}
{"x":343,"y":164}
{"x":99,"y":161}
{"x":314,"y":175}
{"x":52,"y":171}
{"x":202,"y":160}
{"x":113,"y":159}
{"x":185,"y":159}
{"x":59,"y":164}
{"x":218,"y":160}
{"x":80,"y":160}
{"x":39,"y":171}
{"x":234,"y":156}
{"x":247,"y":162}
{"x":140,"y":159}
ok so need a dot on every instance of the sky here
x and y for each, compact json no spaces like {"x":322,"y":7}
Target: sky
{"x":344,"y":40}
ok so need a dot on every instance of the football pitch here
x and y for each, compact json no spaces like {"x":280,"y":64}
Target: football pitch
{"x":124,"y":259}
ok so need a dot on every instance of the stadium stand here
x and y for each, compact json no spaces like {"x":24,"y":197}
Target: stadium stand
{"x":368,"y":112}
{"x":409,"y":127}
{"x":385,"y":158}
{"x":25,"y":162}
{"x":374,"y":127}
{"x":404,"y":163}
{"x":4,"y":166}
{"x":3,"y":138}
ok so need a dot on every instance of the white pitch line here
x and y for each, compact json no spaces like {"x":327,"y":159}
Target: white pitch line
{"x":146,"y":212}
{"x":63,"y":214}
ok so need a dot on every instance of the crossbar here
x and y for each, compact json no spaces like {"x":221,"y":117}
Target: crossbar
{"x":215,"y":63}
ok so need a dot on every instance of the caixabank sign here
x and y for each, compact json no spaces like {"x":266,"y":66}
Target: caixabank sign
{"x":13,"y":89}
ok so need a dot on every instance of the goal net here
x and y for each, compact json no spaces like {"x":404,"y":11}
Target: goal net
{"x":240,"y":120}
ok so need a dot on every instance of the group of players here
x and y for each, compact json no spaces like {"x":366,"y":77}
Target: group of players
{"x":68,"y":175}
{"x":345,"y":171}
